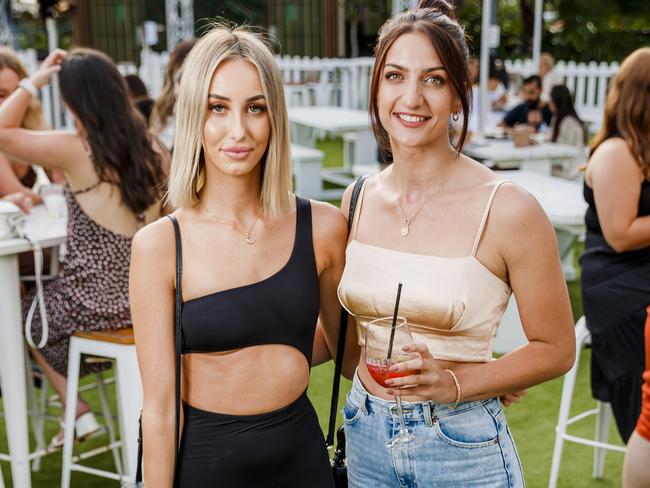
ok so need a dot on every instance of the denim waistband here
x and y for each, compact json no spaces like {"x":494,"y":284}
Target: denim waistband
{"x":413,"y":411}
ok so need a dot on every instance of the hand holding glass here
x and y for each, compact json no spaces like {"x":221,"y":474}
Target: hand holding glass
{"x":381,"y":354}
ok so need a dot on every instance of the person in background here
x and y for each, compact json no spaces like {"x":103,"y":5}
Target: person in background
{"x":566,"y":128}
{"x":548,"y":75}
{"x":530,"y":92}
{"x":496,"y":94}
{"x":139,"y":96}
{"x":461,"y":240}
{"x":114,"y":174}
{"x":615,"y":266}
{"x":14,"y":176}
{"x":162,"y":119}
{"x":637,"y":454}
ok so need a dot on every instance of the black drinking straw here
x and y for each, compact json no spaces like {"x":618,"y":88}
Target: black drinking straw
{"x":392,"y":329}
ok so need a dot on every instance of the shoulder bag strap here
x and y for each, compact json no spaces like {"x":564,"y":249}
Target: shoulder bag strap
{"x":177,"y":347}
{"x":177,"y":334}
{"x":343,"y":328}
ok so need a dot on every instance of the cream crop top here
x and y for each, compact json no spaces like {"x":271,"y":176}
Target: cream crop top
{"x":453,"y":304}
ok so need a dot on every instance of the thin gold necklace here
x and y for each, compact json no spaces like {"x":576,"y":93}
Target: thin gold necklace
{"x":250,"y":238}
{"x":404,"y":231}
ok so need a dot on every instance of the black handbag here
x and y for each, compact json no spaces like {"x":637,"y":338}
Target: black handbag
{"x":339,"y":466}
{"x":177,"y":366}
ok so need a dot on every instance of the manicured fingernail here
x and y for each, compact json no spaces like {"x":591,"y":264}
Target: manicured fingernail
{"x":389,"y":382}
{"x":389,"y":392}
{"x":394,"y":367}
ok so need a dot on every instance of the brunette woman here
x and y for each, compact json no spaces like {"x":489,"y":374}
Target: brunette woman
{"x":461,"y":241}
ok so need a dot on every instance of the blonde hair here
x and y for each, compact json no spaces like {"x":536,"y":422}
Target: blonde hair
{"x":164,"y":105}
{"x":187,"y":173}
{"x":33,"y":119}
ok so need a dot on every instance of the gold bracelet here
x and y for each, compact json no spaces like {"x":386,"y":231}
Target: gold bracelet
{"x":458,"y":391}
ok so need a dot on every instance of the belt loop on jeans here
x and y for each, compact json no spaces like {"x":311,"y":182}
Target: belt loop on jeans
{"x":426,"y":410}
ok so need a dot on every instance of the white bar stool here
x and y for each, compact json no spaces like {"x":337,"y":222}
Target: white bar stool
{"x":603,"y":412}
{"x":120,"y":346}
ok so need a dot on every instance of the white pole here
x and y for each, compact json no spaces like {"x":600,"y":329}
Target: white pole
{"x":537,"y":32}
{"x":52,"y":44}
{"x":485,"y":60}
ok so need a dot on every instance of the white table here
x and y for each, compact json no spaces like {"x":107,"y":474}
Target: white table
{"x":563,"y":203}
{"x":537,"y":158}
{"x":337,"y":121}
{"x":48,"y":233}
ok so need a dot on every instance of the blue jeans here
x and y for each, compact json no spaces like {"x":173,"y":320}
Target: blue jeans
{"x":470,"y":446}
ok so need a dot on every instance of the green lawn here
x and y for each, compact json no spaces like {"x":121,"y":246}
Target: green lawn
{"x":532,"y":421}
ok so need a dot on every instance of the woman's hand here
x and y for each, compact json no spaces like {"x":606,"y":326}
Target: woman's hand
{"x":51,"y":64}
{"x":510,"y":398}
{"x":21,"y":200}
{"x":431,"y":383}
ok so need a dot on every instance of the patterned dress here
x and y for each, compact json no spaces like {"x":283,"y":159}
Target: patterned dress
{"x":90,"y":293}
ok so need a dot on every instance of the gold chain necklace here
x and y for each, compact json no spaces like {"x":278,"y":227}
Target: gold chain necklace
{"x":250,"y":238}
{"x":404,"y":231}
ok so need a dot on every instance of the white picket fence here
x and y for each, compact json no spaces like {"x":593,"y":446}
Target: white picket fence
{"x":587,"y":82}
{"x":346,"y":82}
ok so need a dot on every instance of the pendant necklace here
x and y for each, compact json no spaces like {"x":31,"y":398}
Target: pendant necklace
{"x":250,"y":238}
{"x":407,"y":221}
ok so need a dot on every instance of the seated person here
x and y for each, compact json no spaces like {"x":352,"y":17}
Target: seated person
{"x":535,"y":120}
{"x":531,"y":91}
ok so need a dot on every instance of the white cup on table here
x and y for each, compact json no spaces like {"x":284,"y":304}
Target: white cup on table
{"x":54,"y":200}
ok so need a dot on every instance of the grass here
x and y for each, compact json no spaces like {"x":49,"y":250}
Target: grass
{"x":532,"y":421}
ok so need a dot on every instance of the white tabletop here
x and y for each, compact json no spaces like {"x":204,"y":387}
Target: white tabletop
{"x":331,"y":119}
{"x":502,"y":151}
{"x":561,"y":199}
{"x":39,"y":226}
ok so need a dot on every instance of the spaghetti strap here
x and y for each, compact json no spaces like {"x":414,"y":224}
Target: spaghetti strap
{"x":357,"y":213}
{"x":486,"y":212}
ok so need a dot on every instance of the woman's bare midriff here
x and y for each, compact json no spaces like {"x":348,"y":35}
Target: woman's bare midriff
{"x":247,"y":381}
{"x":374,"y":389}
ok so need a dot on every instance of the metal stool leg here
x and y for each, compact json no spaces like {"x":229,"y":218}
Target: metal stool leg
{"x":108,"y":418}
{"x":74,"y":361}
{"x":603,"y":422}
{"x":565,"y":403}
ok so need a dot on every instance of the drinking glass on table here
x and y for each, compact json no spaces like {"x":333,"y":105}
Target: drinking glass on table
{"x":381,"y":352}
{"x":54,"y":200}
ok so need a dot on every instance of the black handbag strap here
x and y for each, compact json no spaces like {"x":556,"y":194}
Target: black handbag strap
{"x":177,"y":335}
{"x":343,"y":328}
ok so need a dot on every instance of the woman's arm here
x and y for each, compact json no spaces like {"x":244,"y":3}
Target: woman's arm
{"x":528,"y":246}
{"x":330,"y":237}
{"x":10,"y":183}
{"x":151,"y":292}
{"x":615,"y":177}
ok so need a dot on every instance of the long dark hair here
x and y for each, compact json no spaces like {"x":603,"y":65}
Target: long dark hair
{"x":561,"y":98}
{"x":120,"y":144}
{"x":435,"y":19}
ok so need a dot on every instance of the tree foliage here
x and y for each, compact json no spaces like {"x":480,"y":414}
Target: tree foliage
{"x":579,"y":30}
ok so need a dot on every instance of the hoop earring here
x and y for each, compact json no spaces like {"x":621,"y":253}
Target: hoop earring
{"x":455,"y":116}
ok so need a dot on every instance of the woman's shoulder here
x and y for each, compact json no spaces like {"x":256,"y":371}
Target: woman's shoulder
{"x":155,"y":239}
{"x":516,"y":208}
{"x":328,"y":220}
{"x":613,"y":152}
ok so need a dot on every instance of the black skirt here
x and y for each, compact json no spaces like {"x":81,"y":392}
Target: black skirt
{"x":615,"y":294}
{"x":284,"y":448}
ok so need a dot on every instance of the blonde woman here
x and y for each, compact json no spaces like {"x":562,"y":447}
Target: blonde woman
{"x":16,"y":177}
{"x":162,"y":120}
{"x":259,"y":268}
